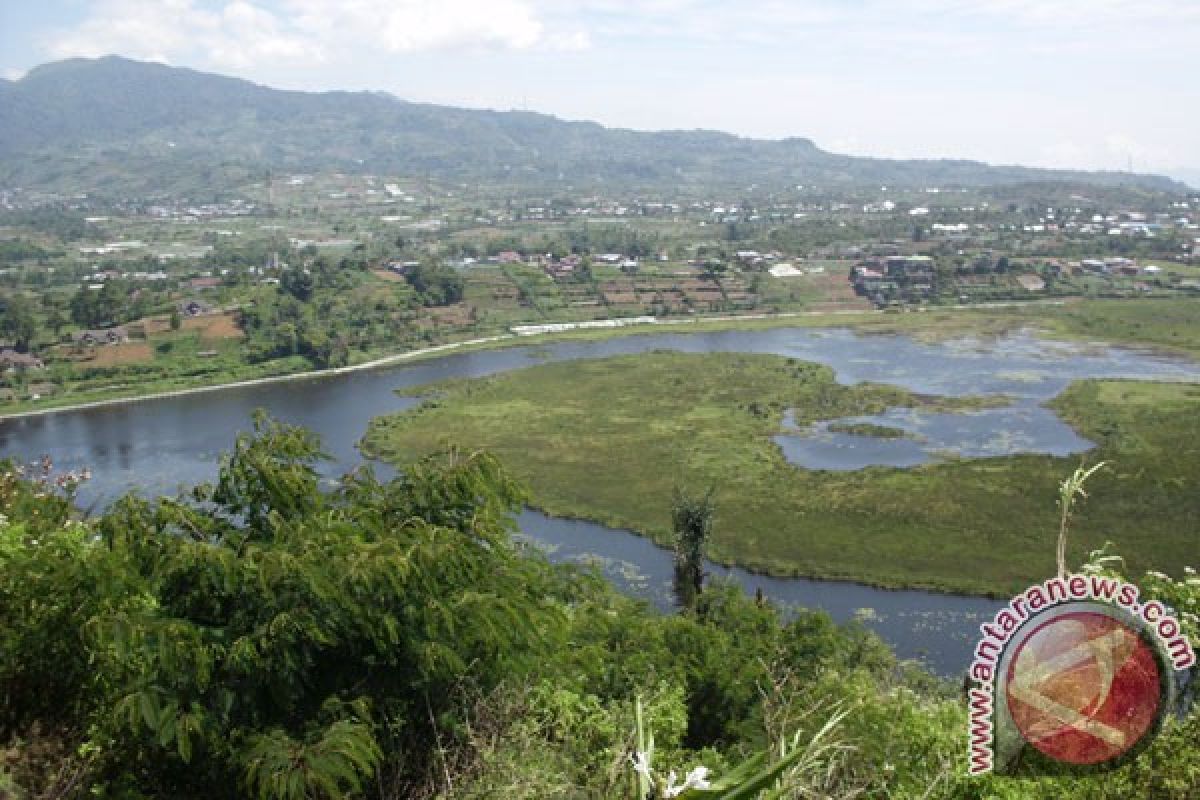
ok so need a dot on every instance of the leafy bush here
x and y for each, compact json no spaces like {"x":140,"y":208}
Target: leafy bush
{"x":262,"y":638}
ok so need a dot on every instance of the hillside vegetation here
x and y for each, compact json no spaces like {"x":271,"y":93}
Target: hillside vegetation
{"x":390,"y":640}
{"x":113,"y":122}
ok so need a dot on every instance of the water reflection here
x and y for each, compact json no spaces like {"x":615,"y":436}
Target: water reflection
{"x":939,"y":630}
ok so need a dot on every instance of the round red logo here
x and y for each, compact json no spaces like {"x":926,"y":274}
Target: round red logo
{"x":1084,"y":688}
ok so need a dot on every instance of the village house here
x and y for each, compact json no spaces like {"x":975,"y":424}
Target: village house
{"x":193,"y":308}
{"x":104,"y":336}
{"x":1031,"y":283}
{"x":401,"y":267}
{"x":11,"y":361}
{"x":41,"y":389}
{"x":204,"y":283}
{"x":563,"y":268}
{"x":913,"y":268}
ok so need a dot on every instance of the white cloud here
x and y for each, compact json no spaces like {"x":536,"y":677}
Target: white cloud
{"x":1076,"y":13}
{"x":241,"y":34}
{"x":135,"y":28}
{"x":404,"y":26}
{"x":258,"y":37}
{"x":235,"y":35}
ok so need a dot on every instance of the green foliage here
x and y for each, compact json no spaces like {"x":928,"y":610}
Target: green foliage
{"x":69,"y":226}
{"x":298,"y":283}
{"x":337,"y":764}
{"x":264,"y":639}
{"x":691,"y":518}
{"x":270,"y":631}
{"x":13,"y":251}
{"x":108,"y":305}
{"x":269,"y":477}
{"x":1069,"y":492}
{"x":436,"y":284}
{"x":17,"y":321}
{"x":323,"y":313}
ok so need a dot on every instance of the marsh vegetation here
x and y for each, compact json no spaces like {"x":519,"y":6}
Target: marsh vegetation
{"x":609,"y":439}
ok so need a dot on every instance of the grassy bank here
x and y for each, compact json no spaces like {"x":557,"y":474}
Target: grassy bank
{"x":1169,"y":325}
{"x":184,"y":374}
{"x":870,"y":429}
{"x":608,"y":440}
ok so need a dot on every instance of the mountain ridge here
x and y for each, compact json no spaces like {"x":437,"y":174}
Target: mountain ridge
{"x":148,"y":125}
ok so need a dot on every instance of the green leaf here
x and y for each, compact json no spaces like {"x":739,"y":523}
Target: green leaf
{"x":148,"y":705}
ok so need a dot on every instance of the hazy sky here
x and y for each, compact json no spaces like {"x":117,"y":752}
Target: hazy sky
{"x":1065,"y":83}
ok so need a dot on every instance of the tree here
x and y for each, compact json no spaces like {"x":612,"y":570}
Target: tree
{"x":691,"y":518}
{"x":584,"y":272}
{"x":17,"y":321}
{"x":437,"y":284}
{"x":261,"y":636}
{"x":56,"y":320}
{"x":93,"y":308}
{"x":298,"y":283}
{"x":713,"y":268}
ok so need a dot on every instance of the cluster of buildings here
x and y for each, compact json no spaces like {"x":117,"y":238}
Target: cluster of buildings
{"x":888,"y":280}
{"x":12,"y":361}
{"x":1113,"y":266}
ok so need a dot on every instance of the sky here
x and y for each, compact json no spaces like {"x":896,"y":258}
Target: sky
{"x":1091,"y":84}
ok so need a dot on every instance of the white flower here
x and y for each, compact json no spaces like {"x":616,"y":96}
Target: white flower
{"x":670,"y":783}
{"x":696,"y":779}
{"x":641,"y":764}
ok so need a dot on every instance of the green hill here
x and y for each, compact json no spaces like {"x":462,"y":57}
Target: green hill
{"x":115,"y":124}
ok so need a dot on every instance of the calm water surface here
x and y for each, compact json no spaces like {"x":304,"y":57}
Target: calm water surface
{"x":157,"y":446}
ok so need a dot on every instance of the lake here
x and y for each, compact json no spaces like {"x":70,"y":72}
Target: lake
{"x":158,"y":446}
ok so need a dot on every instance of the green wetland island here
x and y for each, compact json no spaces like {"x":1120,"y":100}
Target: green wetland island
{"x":608,"y":440}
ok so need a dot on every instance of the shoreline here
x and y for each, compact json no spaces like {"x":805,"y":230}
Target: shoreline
{"x":760,"y":570}
{"x":377,"y":363}
{"x":612,"y":326}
